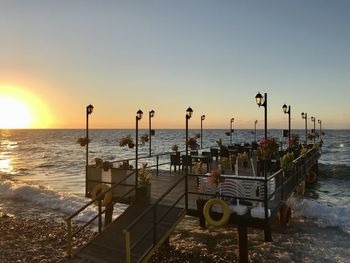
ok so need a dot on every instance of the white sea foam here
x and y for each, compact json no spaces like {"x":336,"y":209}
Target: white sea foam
{"x":323,"y":214}
{"x":49,"y":199}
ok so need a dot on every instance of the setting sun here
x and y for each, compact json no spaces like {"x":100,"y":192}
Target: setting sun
{"x":14,"y":114}
{"x":20,"y":108}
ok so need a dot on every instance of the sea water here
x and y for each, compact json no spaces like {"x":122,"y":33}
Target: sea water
{"x":44,"y":170}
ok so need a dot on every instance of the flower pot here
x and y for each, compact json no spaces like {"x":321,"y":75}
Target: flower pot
{"x":143,"y":194}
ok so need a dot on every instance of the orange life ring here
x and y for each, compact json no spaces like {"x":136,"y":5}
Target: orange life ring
{"x":100,"y":188}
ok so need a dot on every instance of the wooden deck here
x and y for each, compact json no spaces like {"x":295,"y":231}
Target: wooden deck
{"x":109,"y":246}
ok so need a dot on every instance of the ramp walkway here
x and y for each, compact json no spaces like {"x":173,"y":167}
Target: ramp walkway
{"x":111,"y":246}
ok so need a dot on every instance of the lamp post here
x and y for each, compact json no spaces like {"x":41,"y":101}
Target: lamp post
{"x":139,"y":114}
{"x":202,"y":119}
{"x":320,"y":122}
{"x":262,"y":101}
{"x":255,"y":122}
{"x":231,"y":129}
{"x":151,"y":115}
{"x":314,"y":134}
{"x":89,"y":110}
{"x":189,"y":113}
{"x":304,"y":116}
{"x":284,"y":107}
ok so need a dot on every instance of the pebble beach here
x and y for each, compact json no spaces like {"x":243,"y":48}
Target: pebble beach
{"x":42,"y":240}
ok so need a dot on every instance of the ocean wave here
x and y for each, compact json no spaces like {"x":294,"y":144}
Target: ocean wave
{"x":340,"y":171}
{"x":323,"y":214}
{"x":47,"y":198}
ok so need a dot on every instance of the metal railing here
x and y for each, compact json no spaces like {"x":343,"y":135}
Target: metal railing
{"x":131,"y":244}
{"x":276,"y":188}
{"x":98,"y":199}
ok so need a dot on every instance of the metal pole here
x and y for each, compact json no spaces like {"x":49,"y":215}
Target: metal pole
{"x":87,"y":150}
{"x":265,"y":116}
{"x":314,"y":130}
{"x":231,"y":132}
{"x":186,"y":135}
{"x":306,"y":129}
{"x":150,"y":136}
{"x":201,"y":132}
{"x":136,"y":151}
{"x":289,"y":135}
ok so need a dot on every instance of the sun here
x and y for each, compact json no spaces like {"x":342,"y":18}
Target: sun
{"x":14,"y":114}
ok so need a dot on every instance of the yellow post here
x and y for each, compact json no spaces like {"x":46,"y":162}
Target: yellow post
{"x":127,"y":246}
{"x":69,"y":238}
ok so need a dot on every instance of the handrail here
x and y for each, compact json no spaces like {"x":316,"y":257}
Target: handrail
{"x":99,"y":196}
{"x":155,"y":203}
{"x":68,"y":219}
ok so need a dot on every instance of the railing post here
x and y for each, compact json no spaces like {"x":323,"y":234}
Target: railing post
{"x":186,"y":190}
{"x":282,"y":186}
{"x":154,"y":227}
{"x":127,"y":246}
{"x":157,"y":164}
{"x":99,"y":216}
{"x":69,"y":238}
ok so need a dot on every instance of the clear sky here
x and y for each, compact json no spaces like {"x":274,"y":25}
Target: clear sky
{"x":56,"y":57}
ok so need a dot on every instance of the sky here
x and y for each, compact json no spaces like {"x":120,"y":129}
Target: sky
{"x":57,"y":57}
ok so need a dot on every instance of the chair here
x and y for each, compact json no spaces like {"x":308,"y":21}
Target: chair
{"x":175,"y":160}
{"x":214,"y":152}
{"x":224,"y":152}
{"x":186,"y":160}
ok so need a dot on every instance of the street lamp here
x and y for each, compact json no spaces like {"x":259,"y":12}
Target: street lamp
{"x":304,"y":116}
{"x":151,"y":115}
{"x":139,"y":114}
{"x":262,"y":101}
{"x":320,"y":122}
{"x":231,"y":129}
{"x":314,"y":120}
{"x":202,"y":119}
{"x":189,"y":113}
{"x":284,"y":107}
{"x":89,"y":110}
{"x":255,"y":122}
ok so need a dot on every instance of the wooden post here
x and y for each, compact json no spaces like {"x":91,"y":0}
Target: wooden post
{"x":243,"y":244}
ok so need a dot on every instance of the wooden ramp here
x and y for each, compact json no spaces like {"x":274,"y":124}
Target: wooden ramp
{"x":146,"y":234}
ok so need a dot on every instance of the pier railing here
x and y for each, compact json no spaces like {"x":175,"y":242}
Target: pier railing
{"x":170,"y":204}
{"x":271,"y":190}
{"x":97,"y":200}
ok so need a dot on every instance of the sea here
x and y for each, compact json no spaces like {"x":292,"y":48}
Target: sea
{"x":42,"y":172}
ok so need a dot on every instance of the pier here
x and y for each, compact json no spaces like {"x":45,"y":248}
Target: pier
{"x":255,"y":193}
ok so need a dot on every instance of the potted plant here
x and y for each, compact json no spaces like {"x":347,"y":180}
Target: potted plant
{"x":219,"y":142}
{"x":143,"y":192}
{"x":175,"y":148}
{"x":192,"y":143}
{"x":286,"y":162}
{"x":125,"y":165}
{"x":126,"y":141}
{"x":83,"y":141}
{"x":144,"y":138}
{"x":214,"y":177}
{"x":268,"y":147}
{"x":243,"y":157}
{"x":225,"y":165}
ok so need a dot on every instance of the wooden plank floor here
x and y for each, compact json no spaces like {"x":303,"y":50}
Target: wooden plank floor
{"x":109,"y":246}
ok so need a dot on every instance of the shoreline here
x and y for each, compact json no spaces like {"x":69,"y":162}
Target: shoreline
{"x":40,"y":239}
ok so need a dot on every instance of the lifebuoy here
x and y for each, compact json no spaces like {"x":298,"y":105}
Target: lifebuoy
{"x":225,"y":216}
{"x":100,"y":188}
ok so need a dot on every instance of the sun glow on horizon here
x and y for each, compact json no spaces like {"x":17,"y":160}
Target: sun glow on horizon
{"x":14,"y":114}
{"x":20,"y":108}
